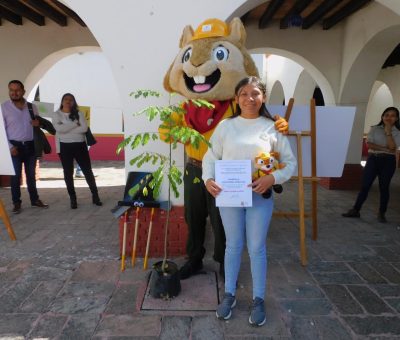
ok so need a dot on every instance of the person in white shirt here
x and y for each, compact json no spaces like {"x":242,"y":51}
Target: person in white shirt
{"x":383,"y":140}
{"x":71,"y":126}
{"x":246,"y":134}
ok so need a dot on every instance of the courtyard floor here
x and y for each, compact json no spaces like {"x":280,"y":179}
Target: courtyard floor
{"x":61,"y":279}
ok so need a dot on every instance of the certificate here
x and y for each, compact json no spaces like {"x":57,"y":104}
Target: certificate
{"x":234,"y":176}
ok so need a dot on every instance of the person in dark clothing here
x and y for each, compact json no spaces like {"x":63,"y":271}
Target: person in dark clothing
{"x":24,"y":148}
{"x":71,"y":127}
{"x":383,"y":140}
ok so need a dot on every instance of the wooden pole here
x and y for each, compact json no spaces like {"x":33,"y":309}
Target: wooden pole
{"x":6,"y":220}
{"x":289,"y":109}
{"x":124,"y":242}
{"x":303,"y":253}
{"x":146,"y":256}
{"x":135,"y":237}
{"x":314,"y":184}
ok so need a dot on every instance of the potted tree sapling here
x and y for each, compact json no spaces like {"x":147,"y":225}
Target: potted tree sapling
{"x":164,"y":280}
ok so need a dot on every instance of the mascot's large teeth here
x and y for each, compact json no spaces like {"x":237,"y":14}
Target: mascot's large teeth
{"x":199,"y":79}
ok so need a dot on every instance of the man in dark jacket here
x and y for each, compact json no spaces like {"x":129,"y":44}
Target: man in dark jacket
{"x":25,"y":143}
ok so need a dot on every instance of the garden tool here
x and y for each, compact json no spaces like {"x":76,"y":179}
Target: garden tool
{"x":135,"y":237}
{"x":124,"y":242}
{"x":148,"y":239}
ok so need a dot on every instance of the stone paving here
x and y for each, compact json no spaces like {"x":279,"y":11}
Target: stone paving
{"x":61,"y":278}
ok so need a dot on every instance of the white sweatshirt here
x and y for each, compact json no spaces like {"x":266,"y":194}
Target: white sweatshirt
{"x":68,"y":131}
{"x":240,"y":138}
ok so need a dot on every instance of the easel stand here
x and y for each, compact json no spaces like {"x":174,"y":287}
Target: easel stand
{"x":300,"y":178}
{"x":6,"y":221}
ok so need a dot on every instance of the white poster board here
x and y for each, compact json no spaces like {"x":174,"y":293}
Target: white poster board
{"x":6,"y":166}
{"x":46,"y":110}
{"x":334,"y":125}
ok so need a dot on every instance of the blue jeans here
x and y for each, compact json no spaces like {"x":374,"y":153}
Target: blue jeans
{"x":383,"y":166}
{"x":249,"y":224}
{"x":26,"y":156}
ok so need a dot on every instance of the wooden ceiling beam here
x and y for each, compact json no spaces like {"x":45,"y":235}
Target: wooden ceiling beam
{"x":269,"y":12}
{"x":298,"y":7}
{"x":319,"y":12}
{"x":10,"y":16}
{"x":69,"y":12}
{"x":343,"y":13}
{"x":48,"y":11}
{"x":23,"y":10}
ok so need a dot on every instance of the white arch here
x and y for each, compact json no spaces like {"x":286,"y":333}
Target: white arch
{"x":46,"y":63}
{"x":394,"y":5}
{"x":390,"y":76}
{"x":380,"y":98}
{"x":277,"y":95}
{"x":363,"y":62}
{"x":317,"y":75}
{"x":244,"y":8}
{"x":304,"y":89}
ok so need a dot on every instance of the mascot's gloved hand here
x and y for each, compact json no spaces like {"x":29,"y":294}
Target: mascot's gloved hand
{"x":281,"y":124}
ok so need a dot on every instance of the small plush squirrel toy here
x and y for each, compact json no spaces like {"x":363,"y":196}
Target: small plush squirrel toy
{"x":265,"y":164}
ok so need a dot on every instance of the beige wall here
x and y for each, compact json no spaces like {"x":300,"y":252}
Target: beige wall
{"x":24,"y":47}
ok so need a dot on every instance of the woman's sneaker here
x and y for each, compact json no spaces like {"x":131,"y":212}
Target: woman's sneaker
{"x":224,"y":310}
{"x":257,"y":315}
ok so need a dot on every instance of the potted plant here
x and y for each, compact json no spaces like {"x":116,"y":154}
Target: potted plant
{"x":164,"y":281}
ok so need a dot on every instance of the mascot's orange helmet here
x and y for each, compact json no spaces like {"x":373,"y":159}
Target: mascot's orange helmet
{"x":211,"y":28}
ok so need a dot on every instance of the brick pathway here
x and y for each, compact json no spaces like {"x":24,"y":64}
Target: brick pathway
{"x":61,"y":279}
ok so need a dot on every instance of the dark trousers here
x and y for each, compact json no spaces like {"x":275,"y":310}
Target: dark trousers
{"x":198,"y":205}
{"x":26,"y":156}
{"x":79,"y":152}
{"x":383,"y":166}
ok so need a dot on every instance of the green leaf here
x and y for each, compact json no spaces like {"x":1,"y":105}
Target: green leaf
{"x":144,"y":93}
{"x":132,"y":192}
{"x":136,"y":141}
{"x":123,"y":144}
{"x":155,"y":159}
{"x":135,"y":159}
{"x":196,"y":180}
{"x":173,"y":186}
{"x":202,"y":103}
{"x":176,"y":174}
{"x":152,"y":112}
{"x":142,"y":161}
{"x":145,"y":138}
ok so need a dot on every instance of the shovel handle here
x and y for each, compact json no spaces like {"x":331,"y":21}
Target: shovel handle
{"x":124,"y":242}
{"x":146,"y":256}
{"x":135,"y":237}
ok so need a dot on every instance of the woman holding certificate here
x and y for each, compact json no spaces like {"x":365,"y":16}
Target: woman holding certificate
{"x":249,"y":132}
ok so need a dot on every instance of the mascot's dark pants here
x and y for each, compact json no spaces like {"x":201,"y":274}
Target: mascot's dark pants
{"x":198,"y":205}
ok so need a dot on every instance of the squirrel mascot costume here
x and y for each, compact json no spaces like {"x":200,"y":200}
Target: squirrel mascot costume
{"x":211,"y":61}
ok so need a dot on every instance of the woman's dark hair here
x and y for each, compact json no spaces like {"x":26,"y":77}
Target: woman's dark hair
{"x":74,"y":114}
{"x":257,"y":82}
{"x":391,"y":108}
